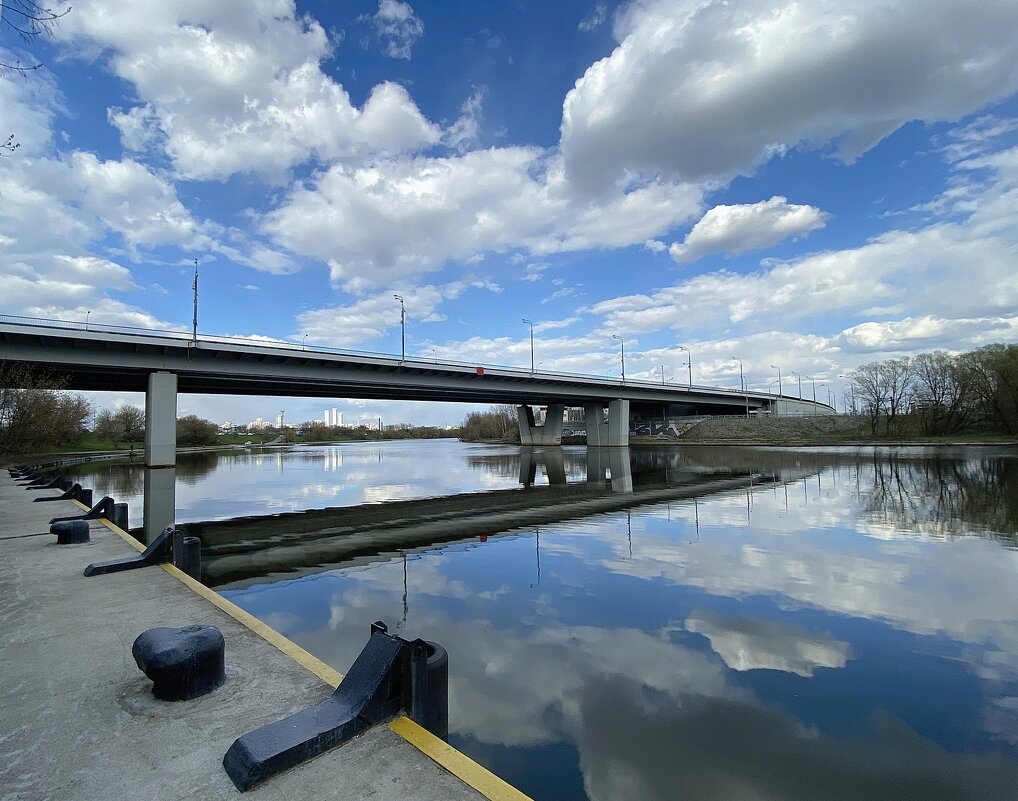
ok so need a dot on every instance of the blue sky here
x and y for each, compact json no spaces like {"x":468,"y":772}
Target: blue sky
{"x":813,"y":185}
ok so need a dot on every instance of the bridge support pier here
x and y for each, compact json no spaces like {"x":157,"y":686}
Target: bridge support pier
{"x":548,"y":434}
{"x":160,"y":453}
{"x":614,"y":462}
{"x":554,"y":466}
{"x":613,"y":433}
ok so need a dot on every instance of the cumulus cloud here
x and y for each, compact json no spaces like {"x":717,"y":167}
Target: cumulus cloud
{"x":736,"y":229}
{"x":457,"y":207}
{"x":961,"y":268}
{"x":711,"y":89}
{"x":767,"y":645}
{"x":397,"y":27}
{"x":224,"y":92}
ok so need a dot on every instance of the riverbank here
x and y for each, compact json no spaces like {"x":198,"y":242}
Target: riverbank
{"x":832,"y":430}
{"x":80,"y":719}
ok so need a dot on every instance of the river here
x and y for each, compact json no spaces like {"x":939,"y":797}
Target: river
{"x":711,"y":623}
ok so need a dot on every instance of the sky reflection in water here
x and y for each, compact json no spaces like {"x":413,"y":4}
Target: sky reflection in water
{"x":849,"y":632}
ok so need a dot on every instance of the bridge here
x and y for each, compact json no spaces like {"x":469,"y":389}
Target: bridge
{"x":162,"y":364}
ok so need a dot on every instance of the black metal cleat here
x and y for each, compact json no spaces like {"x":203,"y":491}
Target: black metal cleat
{"x":161,"y":550}
{"x":389,"y":676}
{"x":102,"y":509}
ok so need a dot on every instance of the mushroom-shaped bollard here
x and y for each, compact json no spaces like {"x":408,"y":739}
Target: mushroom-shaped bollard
{"x":183,"y":663}
{"x":71,"y":532}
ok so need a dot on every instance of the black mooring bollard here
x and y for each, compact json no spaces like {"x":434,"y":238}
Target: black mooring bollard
{"x":183,"y":663}
{"x":120,"y":516}
{"x":436,"y":713}
{"x":71,"y":532}
{"x":83,"y":495}
{"x":189,"y":559}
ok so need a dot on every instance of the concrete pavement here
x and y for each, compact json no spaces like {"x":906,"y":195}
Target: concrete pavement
{"x":79,"y":719}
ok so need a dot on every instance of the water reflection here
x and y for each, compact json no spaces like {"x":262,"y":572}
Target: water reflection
{"x":844,"y":628}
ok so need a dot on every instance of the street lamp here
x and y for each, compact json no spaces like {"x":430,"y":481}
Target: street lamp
{"x":87,"y":315}
{"x":402,"y":327}
{"x":793,"y":372}
{"x":194,"y":328}
{"x":742,"y":382}
{"x":304,"y":343}
{"x":623,"y":343}
{"x":775,"y":367}
{"x":531,"y":324}
{"x":851,"y":389}
{"x":689,"y":362}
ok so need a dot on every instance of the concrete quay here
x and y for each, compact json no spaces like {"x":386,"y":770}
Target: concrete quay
{"x":80,"y":722}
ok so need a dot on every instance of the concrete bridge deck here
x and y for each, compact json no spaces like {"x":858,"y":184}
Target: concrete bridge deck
{"x":80,"y":722}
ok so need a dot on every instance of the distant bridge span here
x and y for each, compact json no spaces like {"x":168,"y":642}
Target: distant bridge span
{"x":118,"y":360}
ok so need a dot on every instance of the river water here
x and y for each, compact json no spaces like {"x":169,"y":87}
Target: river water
{"x":711,"y":623}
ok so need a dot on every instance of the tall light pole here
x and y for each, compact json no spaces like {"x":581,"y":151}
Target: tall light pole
{"x":799,"y":375}
{"x":194,"y":324}
{"x":623,"y":343}
{"x":87,"y":315}
{"x":689,"y":363}
{"x":402,"y":327}
{"x":531,"y":324}
{"x":775,"y":367}
{"x":742,"y":383}
{"x":304,"y":343}
{"x":814,"y":380}
{"x":851,"y":389}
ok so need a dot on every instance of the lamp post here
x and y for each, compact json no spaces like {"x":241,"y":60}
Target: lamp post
{"x":531,"y":324}
{"x":742,"y":383}
{"x":775,"y":367}
{"x":87,"y":315}
{"x":402,"y":327}
{"x":689,"y":363}
{"x":623,"y":344}
{"x":194,"y":325}
{"x":851,"y":389}
{"x":662,"y":375}
{"x":304,"y":343}
{"x":799,"y":376}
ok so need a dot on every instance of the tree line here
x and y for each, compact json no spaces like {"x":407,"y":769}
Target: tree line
{"x":940,"y":393}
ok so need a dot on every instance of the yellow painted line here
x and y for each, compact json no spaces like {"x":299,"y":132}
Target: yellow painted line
{"x":459,"y":765}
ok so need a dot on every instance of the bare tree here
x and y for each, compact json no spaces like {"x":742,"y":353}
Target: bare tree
{"x":868,"y":381}
{"x":28,"y":20}
{"x":897,"y":379}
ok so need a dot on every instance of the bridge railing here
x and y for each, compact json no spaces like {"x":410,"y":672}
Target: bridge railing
{"x":418,"y":362}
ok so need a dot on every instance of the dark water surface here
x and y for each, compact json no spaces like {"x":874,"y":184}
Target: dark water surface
{"x":757,"y":624}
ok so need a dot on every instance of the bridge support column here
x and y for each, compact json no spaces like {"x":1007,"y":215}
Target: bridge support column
{"x":614,"y":432}
{"x":554,"y":466}
{"x":614,"y":462}
{"x":160,"y":453}
{"x":548,"y":434}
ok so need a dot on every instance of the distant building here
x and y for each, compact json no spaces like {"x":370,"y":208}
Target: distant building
{"x":259,"y":424}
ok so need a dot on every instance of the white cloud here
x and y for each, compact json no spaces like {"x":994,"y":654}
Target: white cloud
{"x":594,"y":20}
{"x":457,"y":207}
{"x":736,"y":229}
{"x":225,"y":92}
{"x":767,"y":645}
{"x":712,"y":89}
{"x":397,"y":27}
